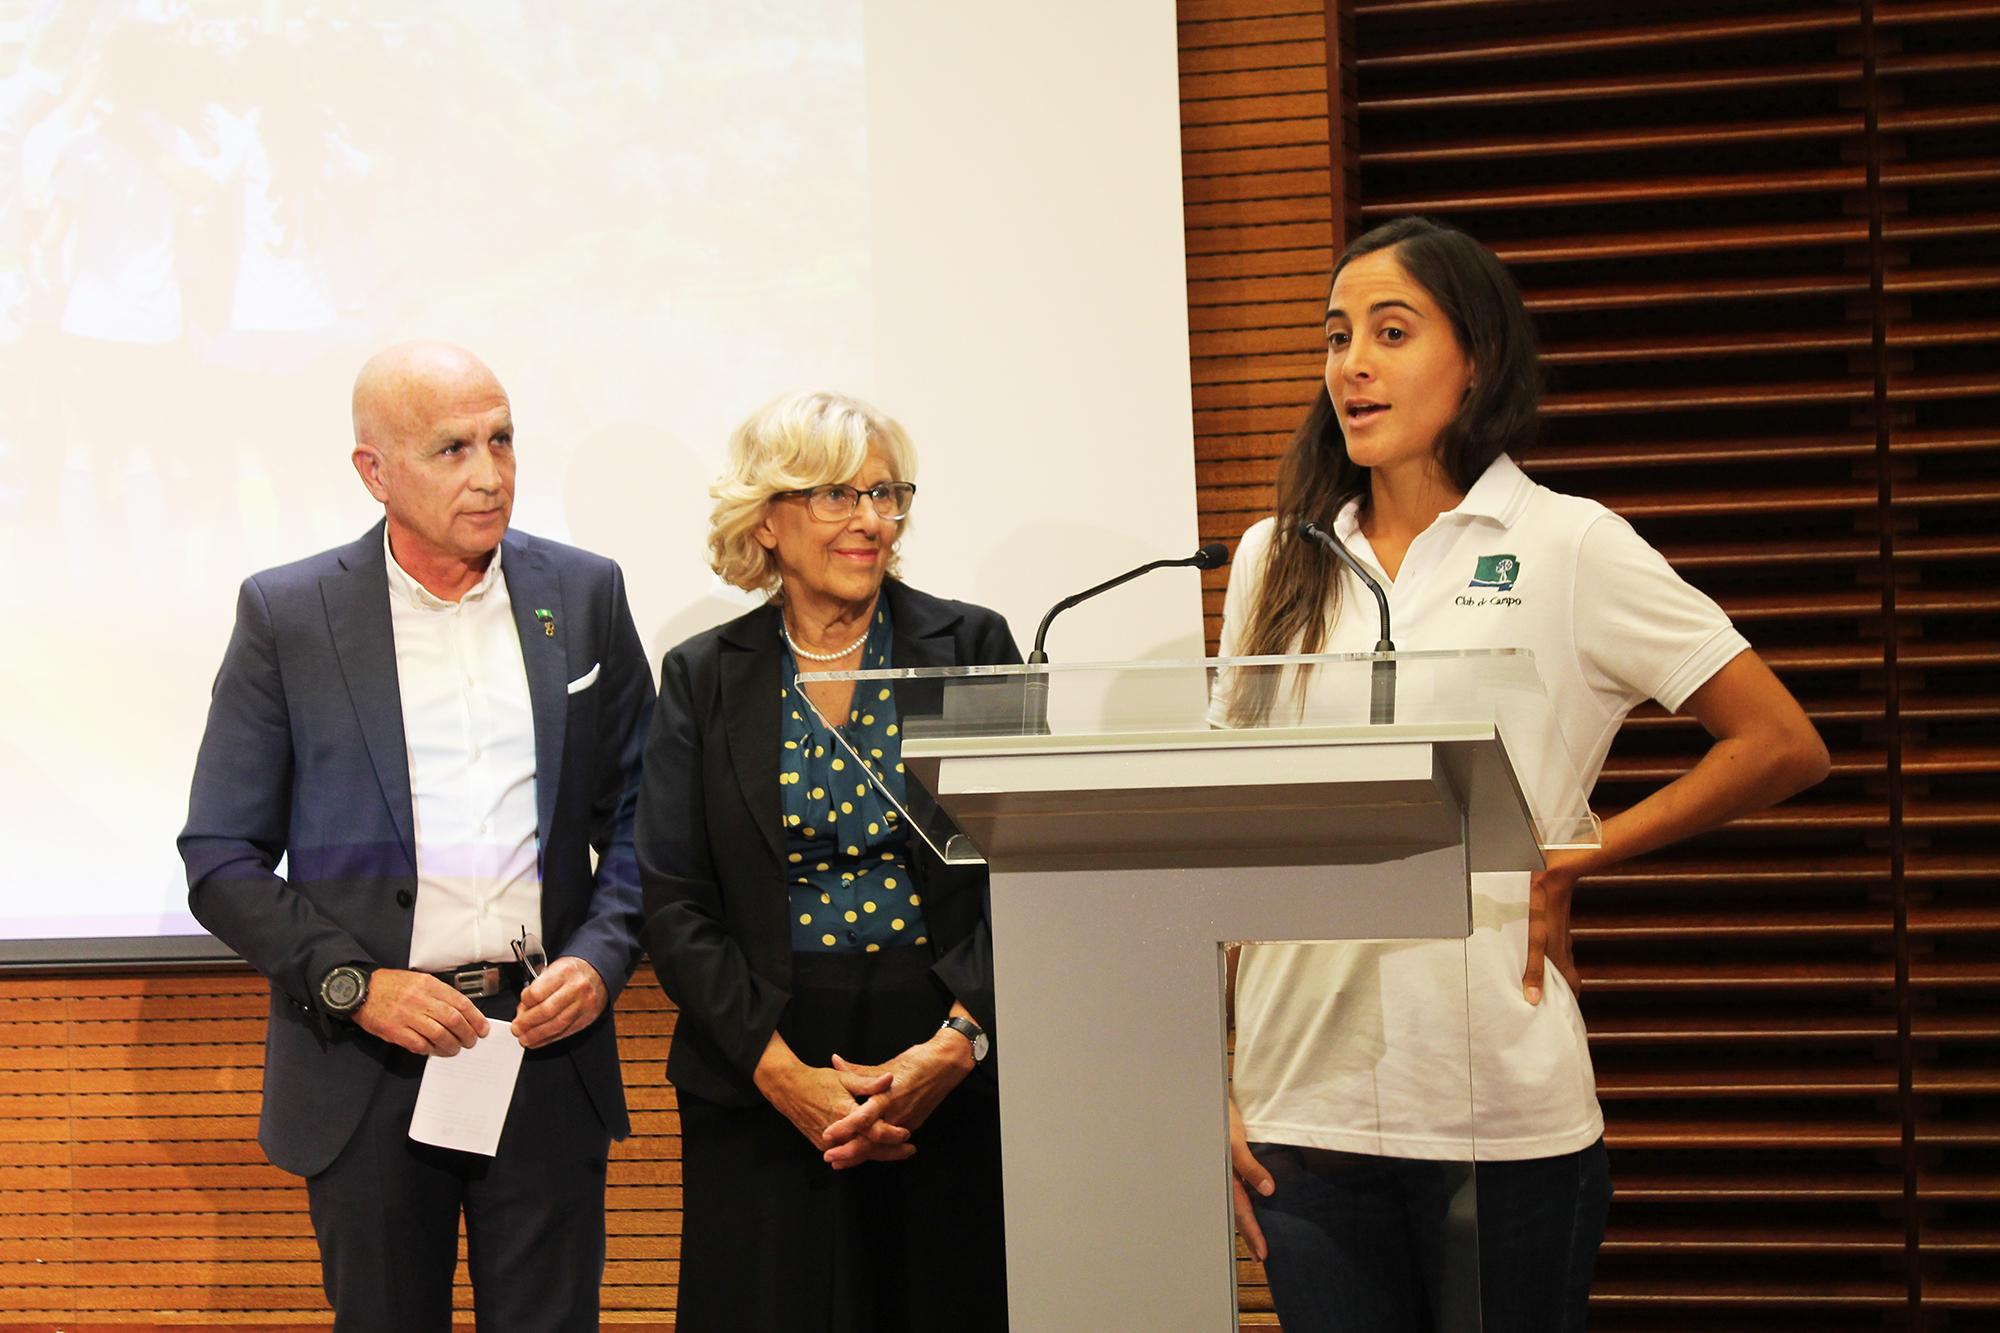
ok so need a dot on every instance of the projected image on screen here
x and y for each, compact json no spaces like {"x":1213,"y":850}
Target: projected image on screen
{"x":647,"y":218}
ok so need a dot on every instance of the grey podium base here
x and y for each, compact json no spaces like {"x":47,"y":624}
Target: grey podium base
{"x":1111,"y":1054}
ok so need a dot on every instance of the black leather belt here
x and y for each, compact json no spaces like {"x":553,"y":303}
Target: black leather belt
{"x":482,"y":979}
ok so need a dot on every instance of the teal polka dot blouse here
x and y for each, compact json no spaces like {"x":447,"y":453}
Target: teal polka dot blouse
{"x":847,"y":863}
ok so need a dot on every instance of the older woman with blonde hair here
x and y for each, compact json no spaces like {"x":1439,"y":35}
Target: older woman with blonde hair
{"x":840,"y":1133}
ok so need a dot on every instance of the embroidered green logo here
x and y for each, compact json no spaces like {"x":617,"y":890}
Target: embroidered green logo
{"x":1496,"y":571}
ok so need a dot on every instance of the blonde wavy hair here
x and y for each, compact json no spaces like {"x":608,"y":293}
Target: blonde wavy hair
{"x":794,"y":443}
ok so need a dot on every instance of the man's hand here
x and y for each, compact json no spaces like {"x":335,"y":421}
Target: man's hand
{"x":566,"y":998}
{"x":416,"y":1011}
{"x":815,"y":1098}
{"x":1246,"y":1173}
{"x":920,"y":1077}
{"x":1548,"y":926}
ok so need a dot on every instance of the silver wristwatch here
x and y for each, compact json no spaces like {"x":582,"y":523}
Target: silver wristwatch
{"x":972,"y":1032}
{"x":344,"y":989}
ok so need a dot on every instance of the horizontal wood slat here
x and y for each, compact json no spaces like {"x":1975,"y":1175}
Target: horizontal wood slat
{"x":1643,"y":190}
{"x":1596,"y":87}
{"x":1573,"y":140}
{"x":1609,"y":37}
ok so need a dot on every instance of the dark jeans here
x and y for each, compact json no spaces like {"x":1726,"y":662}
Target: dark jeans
{"x":1387,"y":1244}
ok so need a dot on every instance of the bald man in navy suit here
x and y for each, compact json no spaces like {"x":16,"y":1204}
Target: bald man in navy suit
{"x":433,"y":729}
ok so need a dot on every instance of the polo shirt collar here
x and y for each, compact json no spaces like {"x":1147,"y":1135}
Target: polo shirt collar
{"x":1500,"y":494}
{"x":1347,"y":523}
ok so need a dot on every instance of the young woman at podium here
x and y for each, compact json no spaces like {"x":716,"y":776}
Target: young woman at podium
{"x":1349,"y":1146}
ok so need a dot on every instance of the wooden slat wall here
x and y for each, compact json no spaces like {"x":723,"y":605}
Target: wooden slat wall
{"x":1260,"y":202}
{"x":1759,"y":238}
{"x":132,"y":1190}
{"x":1938,"y":67}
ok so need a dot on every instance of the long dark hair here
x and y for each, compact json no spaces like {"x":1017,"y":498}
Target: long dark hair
{"x":1299,"y":593}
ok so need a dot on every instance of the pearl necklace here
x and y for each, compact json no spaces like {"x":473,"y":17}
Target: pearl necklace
{"x":797,"y":651}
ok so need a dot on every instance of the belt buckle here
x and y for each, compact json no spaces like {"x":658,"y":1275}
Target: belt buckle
{"x":477,"y":982}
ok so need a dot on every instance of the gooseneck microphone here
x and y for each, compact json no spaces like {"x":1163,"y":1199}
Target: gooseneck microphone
{"x":1381,"y":676}
{"x":1212,"y":556}
{"x":1035,"y":702}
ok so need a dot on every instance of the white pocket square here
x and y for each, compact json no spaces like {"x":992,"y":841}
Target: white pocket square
{"x":585,"y":681}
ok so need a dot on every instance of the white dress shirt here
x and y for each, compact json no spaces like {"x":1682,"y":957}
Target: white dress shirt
{"x":469,"y":728}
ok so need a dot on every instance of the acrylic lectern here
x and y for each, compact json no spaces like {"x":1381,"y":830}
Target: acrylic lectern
{"x":1137,"y":818}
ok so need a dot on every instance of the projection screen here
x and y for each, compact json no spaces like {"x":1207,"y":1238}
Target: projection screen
{"x":649,"y":219}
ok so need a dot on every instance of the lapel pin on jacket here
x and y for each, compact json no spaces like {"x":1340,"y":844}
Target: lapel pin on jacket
{"x":543,"y":614}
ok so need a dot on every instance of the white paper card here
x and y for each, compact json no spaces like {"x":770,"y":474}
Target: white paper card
{"x":462,"y":1102}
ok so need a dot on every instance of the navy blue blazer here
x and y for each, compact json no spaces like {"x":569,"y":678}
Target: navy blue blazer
{"x":304,"y":759}
{"x":718,"y":921}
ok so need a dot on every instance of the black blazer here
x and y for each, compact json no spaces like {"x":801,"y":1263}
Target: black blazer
{"x":711,"y":854}
{"x":304,"y":759}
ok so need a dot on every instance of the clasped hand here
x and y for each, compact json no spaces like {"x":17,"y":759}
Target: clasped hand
{"x":857,"y":1113}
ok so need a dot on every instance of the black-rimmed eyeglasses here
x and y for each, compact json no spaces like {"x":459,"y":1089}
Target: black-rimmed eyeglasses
{"x":836,"y":503}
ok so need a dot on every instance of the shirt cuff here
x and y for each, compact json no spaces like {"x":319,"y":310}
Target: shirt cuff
{"x":1718,"y":651}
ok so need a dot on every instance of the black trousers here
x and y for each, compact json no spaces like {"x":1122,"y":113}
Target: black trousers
{"x":775,"y":1241}
{"x":386,"y":1212}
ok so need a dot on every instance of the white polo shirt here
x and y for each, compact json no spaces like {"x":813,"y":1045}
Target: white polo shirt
{"x":469,"y":731}
{"x":1366,"y":1047}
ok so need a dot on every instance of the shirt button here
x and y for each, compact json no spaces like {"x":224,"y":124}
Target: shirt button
{"x":852,"y":937}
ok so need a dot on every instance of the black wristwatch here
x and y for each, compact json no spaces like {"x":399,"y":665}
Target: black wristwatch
{"x":972,"y":1032}
{"x":344,"y":989}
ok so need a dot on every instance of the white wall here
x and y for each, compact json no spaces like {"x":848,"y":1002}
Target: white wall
{"x":1031,"y":308}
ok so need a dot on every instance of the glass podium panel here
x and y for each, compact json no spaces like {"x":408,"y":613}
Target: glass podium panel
{"x":1136,"y":706}
{"x":1138,"y":814}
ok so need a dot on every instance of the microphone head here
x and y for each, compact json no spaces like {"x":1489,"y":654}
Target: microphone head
{"x":1309,"y":530}
{"x":1212,"y":556}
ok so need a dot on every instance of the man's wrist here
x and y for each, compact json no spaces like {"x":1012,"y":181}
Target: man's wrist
{"x":344,"y":989}
{"x":593,"y":977}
